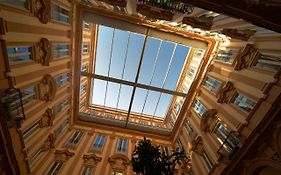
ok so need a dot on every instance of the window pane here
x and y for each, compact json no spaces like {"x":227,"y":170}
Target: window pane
{"x":163,"y":105}
{"x":125,"y":97}
{"x":133,"y":56}
{"x":151,"y":102}
{"x":139,"y":100}
{"x":120,"y":43}
{"x":112,"y":95}
{"x":244,"y":102}
{"x":98,"y":93}
{"x":105,"y":35}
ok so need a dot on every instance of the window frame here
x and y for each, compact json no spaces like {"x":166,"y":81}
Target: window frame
{"x":60,"y":6}
{"x":97,"y":148}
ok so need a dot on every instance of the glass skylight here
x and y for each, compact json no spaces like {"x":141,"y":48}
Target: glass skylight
{"x":136,"y":73}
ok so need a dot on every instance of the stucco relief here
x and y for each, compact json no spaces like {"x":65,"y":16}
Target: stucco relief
{"x":42,"y":10}
{"x":47,"y":118}
{"x":49,"y":142}
{"x":91,"y":159}
{"x":226,"y":93}
{"x":245,"y":58}
{"x":119,"y":161}
{"x":151,"y":13}
{"x":44,"y":51}
{"x":63,"y":155}
{"x":208,"y":120}
{"x":202,"y":22}
{"x":197,"y":145}
{"x":47,"y":88}
{"x":244,"y":35}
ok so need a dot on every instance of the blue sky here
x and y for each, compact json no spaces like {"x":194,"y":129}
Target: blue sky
{"x":118,"y":56}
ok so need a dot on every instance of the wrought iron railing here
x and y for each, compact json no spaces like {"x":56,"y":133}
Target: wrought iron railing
{"x":229,"y":147}
{"x":170,"y":5}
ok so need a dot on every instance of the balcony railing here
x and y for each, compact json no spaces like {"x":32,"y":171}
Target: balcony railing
{"x":12,"y":103}
{"x":229,"y":147}
{"x":169,"y":5}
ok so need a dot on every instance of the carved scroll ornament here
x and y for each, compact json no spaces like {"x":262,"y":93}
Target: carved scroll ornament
{"x":47,"y":88}
{"x":202,"y":22}
{"x":50,"y":142}
{"x":208,"y":120}
{"x":44,"y":51}
{"x":246,"y":57}
{"x":63,"y":155}
{"x":154,"y":14}
{"x":197,"y":145}
{"x":91,"y":159}
{"x":43,"y":10}
{"x":117,"y":158}
{"x":239,"y":34}
{"x":226,"y":93}
{"x":47,"y":118}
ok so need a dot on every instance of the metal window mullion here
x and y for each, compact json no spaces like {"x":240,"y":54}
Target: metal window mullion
{"x":136,"y":79}
{"x":152,"y":76}
{"x":123,"y":70}
{"x":110,"y":58}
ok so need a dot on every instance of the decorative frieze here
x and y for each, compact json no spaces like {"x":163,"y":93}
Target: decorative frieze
{"x":47,"y":88}
{"x":42,"y":10}
{"x":226,"y":93}
{"x":244,"y":35}
{"x":245,"y":58}
{"x":44,"y":54}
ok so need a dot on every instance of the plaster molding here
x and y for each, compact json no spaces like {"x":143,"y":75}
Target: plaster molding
{"x":123,"y":158}
{"x":91,"y":159}
{"x":154,"y":14}
{"x":202,"y":22}
{"x":63,"y":154}
{"x":47,"y":88}
{"x":226,"y":93}
{"x":49,"y":142}
{"x":208,"y":120}
{"x":47,"y":118}
{"x":244,"y":35}
{"x":197,"y":145}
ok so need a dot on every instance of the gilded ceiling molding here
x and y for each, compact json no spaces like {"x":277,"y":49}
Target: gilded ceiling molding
{"x":113,"y":160}
{"x":197,"y":145}
{"x":49,"y":142}
{"x":63,"y":154}
{"x":226,"y":93}
{"x":120,"y":3}
{"x":208,"y":120}
{"x":154,"y":14}
{"x":202,"y":22}
{"x":244,"y":35}
{"x":47,"y":88}
{"x":42,"y":10}
{"x":43,"y":47}
{"x":245,"y":58}
{"x":91,"y":159}
{"x":47,"y":118}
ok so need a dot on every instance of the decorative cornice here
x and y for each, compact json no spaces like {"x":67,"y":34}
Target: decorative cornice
{"x":91,"y":159}
{"x":47,"y":88}
{"x":150,"y":13}
{"x":202,"y":22}
{"x":244,"y":35}
{"x":245,"y":58}
{"x":208,"y":120}
{"x":44,"y":51}
{"x":125,"y":160}
{"x":120,"y":3}
{"x":226,"y":93}
{"x":42,"y":10}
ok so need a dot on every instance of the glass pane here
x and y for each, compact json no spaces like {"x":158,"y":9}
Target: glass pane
{"x":163,"y":105}
{"x":139,"y":100}
{"x":151,"y":102}
{"x":120,"y":44}
{"x":162,"y":64}
{"x":98,"y":93}
{"x":176,"y":67}
{"x":112,"y":95}
{"x":133,"y":56}
{"x":125,"y":97}
{"x":150,"y":55}
{"x":105,"y":35}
